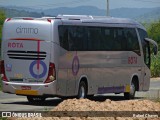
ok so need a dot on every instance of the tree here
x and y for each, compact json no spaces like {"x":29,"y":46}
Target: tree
{"x":2,"y":19}
{"x":154,"y":32}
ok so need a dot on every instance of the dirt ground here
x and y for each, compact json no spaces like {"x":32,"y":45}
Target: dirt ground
{"x":91,"y":106}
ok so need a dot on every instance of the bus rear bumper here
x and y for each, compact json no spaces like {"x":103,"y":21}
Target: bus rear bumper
{"x":37,"y":89}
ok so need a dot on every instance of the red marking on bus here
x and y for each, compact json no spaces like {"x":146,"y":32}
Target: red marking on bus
{"x":8,"y":19}
{"x":38,"y":50}
{"x":27,"y":39}
{"x":15,"y":45}
{"x":132,"y":60}
{"x":49,"y":20}
{"x":28,"y":19}
{"x":30,"y":39}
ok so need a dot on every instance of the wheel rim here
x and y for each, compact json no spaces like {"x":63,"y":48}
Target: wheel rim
{"x":82,"y":92}
{"x":132,"y":89}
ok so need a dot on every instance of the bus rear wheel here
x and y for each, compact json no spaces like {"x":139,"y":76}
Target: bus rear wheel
{"x":131,"y":94}
{"x":35,"y":99}
{"x":82,"y":91}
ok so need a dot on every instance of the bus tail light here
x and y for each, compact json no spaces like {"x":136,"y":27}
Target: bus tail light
{"x":51,"y":73}
{"x":49,"y":20}
{"x":2,"y":71}
{"x":28,"y":19}
{"x":8,"y":19}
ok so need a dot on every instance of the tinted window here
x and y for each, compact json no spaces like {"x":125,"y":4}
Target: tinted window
{"x":132,"y":40}
{"x":63,"y":37}
{"x":94,"y":38}
{"x":142,"y":34}
{"x":72,"y":38}
{"x":85,"y":38}
{"x":145,"y":46}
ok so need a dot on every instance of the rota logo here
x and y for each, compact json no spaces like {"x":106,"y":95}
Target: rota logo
{"x":15,"y":45}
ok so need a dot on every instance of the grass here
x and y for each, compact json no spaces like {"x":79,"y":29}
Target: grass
{"x":157,"y":100}
{"x":155,"y":65}
{"x":3,"y":118}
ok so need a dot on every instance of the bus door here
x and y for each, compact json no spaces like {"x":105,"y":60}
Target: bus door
{"x":147,"y":60}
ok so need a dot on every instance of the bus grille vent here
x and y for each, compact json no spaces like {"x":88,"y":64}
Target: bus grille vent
{"x":26,"y":55}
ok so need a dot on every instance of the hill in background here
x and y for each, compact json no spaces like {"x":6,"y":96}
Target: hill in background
{"x":139,"y":14}
{"x":12,"y":12}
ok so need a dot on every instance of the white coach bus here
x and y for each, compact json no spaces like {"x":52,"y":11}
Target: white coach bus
{"x":74,"y":55}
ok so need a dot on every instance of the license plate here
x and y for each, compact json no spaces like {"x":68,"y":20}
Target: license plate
{"x":26,"y":92}
{"x":26,"y":87}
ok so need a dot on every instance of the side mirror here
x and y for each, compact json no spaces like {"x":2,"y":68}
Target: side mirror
{"x":155,"y":48}
{"x":155,"y":51}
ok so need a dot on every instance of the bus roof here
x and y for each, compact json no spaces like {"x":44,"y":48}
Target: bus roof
{"x":100,"y":20}
{"x":92,"y":19}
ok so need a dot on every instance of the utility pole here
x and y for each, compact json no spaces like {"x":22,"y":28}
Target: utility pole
{"x":107,"y":7}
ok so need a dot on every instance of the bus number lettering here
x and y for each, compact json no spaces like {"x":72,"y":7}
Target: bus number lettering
{"x":15,"y":45}
{"x":132,"y":60}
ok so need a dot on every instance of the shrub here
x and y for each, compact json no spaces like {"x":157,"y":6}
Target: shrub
{"x":155,"y":65}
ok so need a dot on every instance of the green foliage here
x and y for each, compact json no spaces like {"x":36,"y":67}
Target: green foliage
{"x":10,"y":13}
{"x":3,"y":118}
{"x":154,"y":33}
{"x":16,"y":13}
{"x":2,"y":18}
{"x":155,"y":65}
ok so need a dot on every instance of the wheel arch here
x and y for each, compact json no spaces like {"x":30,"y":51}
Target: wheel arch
{"x":135,"y":79}
{"x":83,"y":78}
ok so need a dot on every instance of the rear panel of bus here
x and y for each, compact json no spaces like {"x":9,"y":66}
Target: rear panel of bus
{"x":26,"y":57}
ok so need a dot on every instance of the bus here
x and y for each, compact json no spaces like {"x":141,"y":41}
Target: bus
{"x":74,"y":55}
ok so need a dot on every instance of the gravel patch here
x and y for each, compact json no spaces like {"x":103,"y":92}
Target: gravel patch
{"x":83,"y":105}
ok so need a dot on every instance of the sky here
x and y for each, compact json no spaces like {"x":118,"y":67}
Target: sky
{"x":45,"y":4}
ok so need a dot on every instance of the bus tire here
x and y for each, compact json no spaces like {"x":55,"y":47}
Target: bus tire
{"x":35,"y":99}
{"x":90,"y":96}
{"x":131,"y":94}
{"x":82,"y":91}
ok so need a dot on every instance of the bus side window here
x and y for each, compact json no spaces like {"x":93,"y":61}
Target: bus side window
{"x":94,"y":38}
{"x":63,"y":37}
{"x":123,"y":41}
{"x":107,"y":39}
{"x":132,"y":40}
{"x":80,"y":39}
{"x":71,"y":41}
{"x":77,"y":38}
{"x":118,"y":39}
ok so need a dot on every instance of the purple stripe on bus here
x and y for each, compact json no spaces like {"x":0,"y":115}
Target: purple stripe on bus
{"x":102,"y":90}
